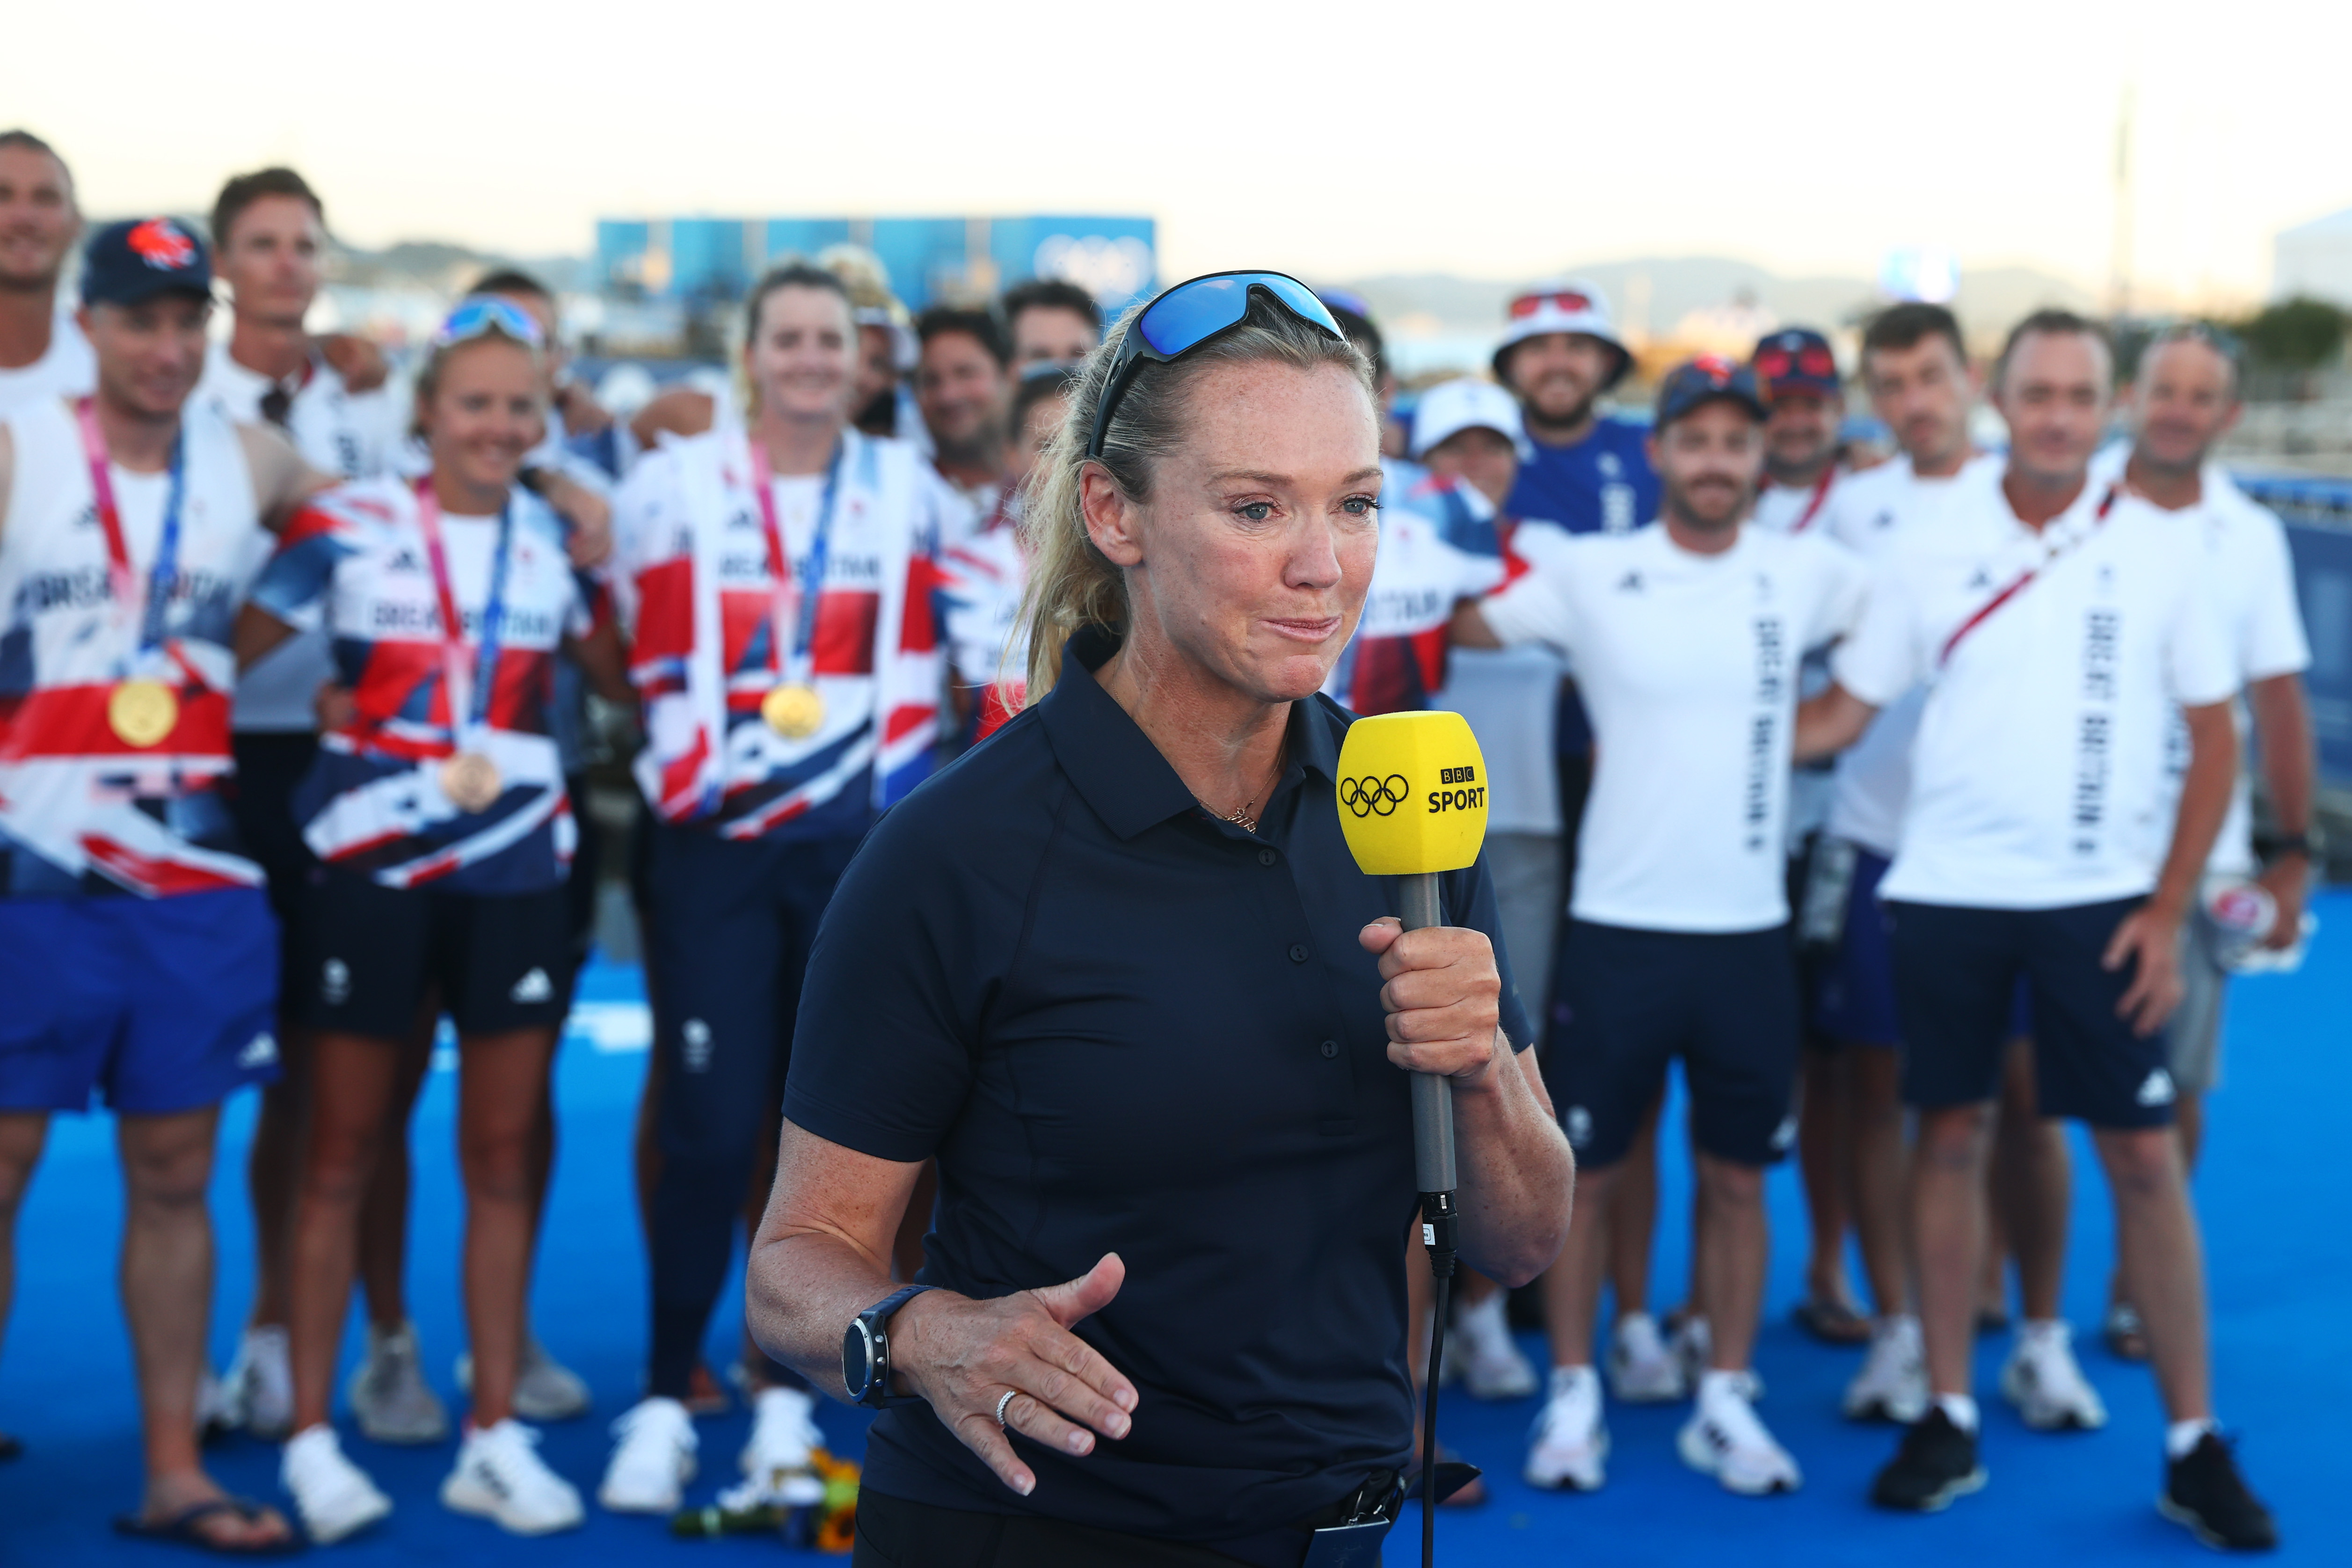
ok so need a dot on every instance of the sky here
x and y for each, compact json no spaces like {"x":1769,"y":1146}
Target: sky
{"x":1485,"y":138}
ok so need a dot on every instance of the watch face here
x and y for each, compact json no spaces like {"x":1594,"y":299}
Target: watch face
{"x":856,"y":1358}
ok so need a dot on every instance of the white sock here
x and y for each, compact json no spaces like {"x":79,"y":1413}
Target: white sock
{"x":1715,"y":1386}
{"x":2035,"y":1335}
{"x":2179,"y":1437}
{"x":1565,"y":1379}
{"x":1485,"y":1323}
{"x":1895,"y":1325}
{"x":1960,"y":1410}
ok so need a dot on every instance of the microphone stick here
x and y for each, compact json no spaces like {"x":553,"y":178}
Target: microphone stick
{"x":1412,"y":804}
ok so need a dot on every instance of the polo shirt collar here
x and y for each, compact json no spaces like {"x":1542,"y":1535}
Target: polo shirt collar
{"x":1113,"y":763}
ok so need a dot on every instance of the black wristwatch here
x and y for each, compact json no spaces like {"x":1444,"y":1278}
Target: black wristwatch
{"x":866,"y":1351}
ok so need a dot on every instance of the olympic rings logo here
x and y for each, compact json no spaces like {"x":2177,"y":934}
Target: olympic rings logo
{"x":1367,"y":796}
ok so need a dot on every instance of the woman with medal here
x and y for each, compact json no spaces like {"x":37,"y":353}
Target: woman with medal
{"x":437,"y":810}
{"x":777,"y":576}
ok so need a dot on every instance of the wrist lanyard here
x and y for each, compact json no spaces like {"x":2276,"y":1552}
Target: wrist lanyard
{"x":1813,"y":503}
{"x":151,"y":607}
{"x":787,"y":598}
{"x":468,"y":690}
{"x":2051,"y":554}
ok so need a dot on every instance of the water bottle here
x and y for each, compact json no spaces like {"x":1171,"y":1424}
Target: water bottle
{"x":2241,"y":914}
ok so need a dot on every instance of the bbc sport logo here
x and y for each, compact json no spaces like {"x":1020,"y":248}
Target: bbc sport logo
{"x":1368,"y":797}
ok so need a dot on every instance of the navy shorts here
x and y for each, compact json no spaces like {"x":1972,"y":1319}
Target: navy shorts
{"x":163,"y":1004}
{"x":1956,"y":973}
{"x":1634,"y":1000}
{"x":368,"y":955}
{"x":728,"y":925}
{"x":1854,"y":994}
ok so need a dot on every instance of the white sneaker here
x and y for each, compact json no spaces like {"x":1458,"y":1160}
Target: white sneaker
{"x":1893,"y":1383}
{"x":499,"y":1477}
{"x":258,"y":1386}
{"x":2042,"y":1378}
{"x":1493,"y":1366}
{"x":653,"y":1460}
{"x":332,"y":1497}
{"x":1641,"y":1369}
{"x":545,"y":1389}
{"x":777,"y":1459}
{"x":1725,"y":1439}
{"x":388,"y":1391}
{"x":1569,"y":1449}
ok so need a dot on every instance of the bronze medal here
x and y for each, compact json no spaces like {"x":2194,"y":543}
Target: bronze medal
{"x":141,"y":713}
{"x":471,"y":782}
{"x":794,"y":711}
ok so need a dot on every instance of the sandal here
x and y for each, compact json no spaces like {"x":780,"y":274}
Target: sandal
{"x":2126,"y":1334}
{"x":184,"y":1528}
{"x":1832,"y":1323}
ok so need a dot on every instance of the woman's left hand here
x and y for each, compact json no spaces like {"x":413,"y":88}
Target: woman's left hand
{"x":1443,"y":996}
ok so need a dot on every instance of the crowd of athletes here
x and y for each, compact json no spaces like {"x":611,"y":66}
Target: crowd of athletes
{"x":264,"y":822}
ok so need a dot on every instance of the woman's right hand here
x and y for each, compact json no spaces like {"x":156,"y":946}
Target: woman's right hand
{"x":962,"y":1356}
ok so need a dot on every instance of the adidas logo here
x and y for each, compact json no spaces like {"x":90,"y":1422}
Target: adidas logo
{"x":1579,"y":1127}
{"x":2155,"y":1089}
{"x":1630,"y":584}
{"x":533,"y":988}
{"x":335,"y":982}
{"x":695,"y":1036}
{"x":261,"y":1051}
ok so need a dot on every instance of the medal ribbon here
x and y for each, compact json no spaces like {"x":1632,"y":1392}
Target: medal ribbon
{"x":788,"y":600}
{"x":2051,"y":553}
{"x":468,"y":690}
{"x":1813,"y":502}
{"x":151,"y":606}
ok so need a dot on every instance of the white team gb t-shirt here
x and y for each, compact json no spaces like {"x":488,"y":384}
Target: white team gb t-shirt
{"x":2037,"y":778}
{"x":1688,"y":664}
{"x":2244,"y":563}
{"x":1869,"y":512}
{"x":67,"y":369}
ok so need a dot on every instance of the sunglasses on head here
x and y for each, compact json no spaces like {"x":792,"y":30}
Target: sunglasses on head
{"x":1527,"y":305}
{"x":480,"y":315}
{"x":1190,"y":314}
{"x":1812,"y":361}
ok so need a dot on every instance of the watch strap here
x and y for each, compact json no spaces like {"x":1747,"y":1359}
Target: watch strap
{"x":875,"y":1317}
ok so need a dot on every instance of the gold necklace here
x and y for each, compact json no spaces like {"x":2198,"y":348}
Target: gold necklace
{"x":1240,"y":816}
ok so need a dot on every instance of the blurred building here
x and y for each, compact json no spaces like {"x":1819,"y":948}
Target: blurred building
{"x":2315,"y":258}
{"x":702,"y":260}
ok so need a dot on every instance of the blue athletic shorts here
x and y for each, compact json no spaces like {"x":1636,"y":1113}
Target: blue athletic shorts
{"x":1956,"y":972}
{"x":163,"y":1004}
{"x":1854,"y":996}
{"x":1634,"y":1000}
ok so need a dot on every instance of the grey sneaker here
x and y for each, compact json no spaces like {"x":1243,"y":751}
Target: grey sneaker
{"x":546,"y":1390}
{"x":388,"y":1391}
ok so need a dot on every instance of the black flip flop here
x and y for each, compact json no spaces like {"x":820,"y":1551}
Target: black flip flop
{"x":1832,"y":1323}
{"x":180,"y":1529}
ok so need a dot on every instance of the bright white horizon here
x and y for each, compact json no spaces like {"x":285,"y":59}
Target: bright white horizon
{"x":1489,"y":138}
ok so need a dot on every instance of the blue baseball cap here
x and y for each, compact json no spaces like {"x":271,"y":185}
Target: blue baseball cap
{"x":130,"y":262}
{"x":1706,"y":379}
{"x":1796,"y":359}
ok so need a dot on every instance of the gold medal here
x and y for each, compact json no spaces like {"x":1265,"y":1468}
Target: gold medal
{"x":141,"y":713}
{"x":794,"y":711}
{"x":471,"y":782}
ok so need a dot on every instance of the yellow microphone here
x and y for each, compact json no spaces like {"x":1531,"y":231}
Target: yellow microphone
{"x":1412,"y":803}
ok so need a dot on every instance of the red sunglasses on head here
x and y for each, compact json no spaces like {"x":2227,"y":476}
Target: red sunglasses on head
{"x":1812,"y":361}
{"x":1527,"y":305}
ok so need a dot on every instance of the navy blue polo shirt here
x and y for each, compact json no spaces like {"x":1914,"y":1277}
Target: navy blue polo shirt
{"x":1124,"y":1026}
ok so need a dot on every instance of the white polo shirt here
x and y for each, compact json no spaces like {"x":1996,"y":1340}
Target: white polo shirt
{"x":1873,"y":776}
{"x":2038,"y":776}
{"x":2244,"y":561}
{"x":1688,"y":664}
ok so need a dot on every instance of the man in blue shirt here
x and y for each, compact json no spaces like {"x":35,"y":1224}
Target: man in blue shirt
{"x":1559,"y":354}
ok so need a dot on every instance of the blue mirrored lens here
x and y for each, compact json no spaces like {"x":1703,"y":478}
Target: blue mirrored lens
{"x":1191,"y":312}
{"x":486,"y":313}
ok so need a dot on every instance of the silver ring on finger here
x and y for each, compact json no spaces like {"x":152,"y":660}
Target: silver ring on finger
{"x":1003,"y":1400}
